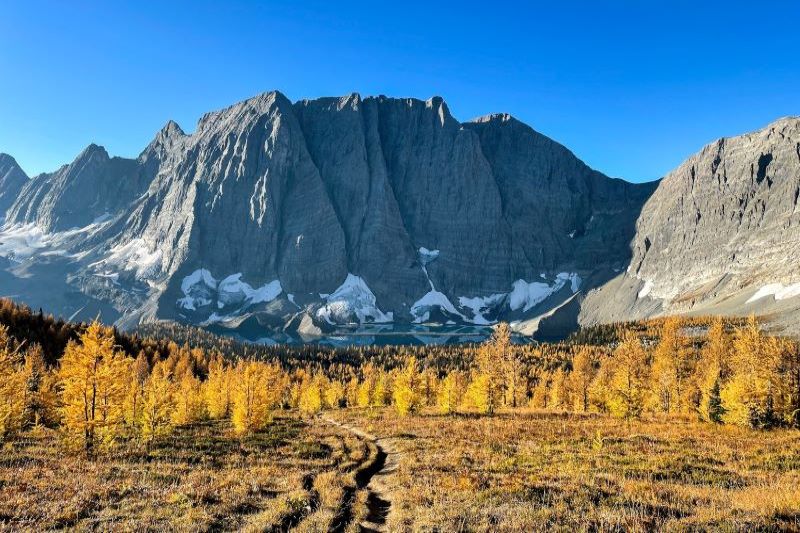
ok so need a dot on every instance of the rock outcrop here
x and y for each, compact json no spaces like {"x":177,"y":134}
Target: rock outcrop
{"x":720,"y":234}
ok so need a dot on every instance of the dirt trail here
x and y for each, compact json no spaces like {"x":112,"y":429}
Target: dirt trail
{"x":374,"y":478}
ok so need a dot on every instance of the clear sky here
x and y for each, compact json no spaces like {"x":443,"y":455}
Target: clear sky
{"x":632,"y":87}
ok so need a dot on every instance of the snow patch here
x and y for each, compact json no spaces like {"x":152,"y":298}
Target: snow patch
{"x":200,"y":288}
{"x":526,"y":295}
{"x":480,"y":306}
{"x":645,"y":290}
{"x":778,"y":290}
{"x":21,"y":241}
{"x":135,"y":256}
{"x":233,"y":291}
{"x":353,"y":298}
{"x":573,"y":278}
{"x":427,"y":256}
{"x":422,"y":308}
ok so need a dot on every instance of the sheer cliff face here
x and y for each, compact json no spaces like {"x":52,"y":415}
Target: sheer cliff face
{"x":347,"y":209}
{"x":721,"y":232}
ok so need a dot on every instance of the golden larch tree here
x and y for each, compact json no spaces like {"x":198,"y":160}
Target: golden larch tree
{"x":13,"y":387}
{"x":157,"y":403}
{"x":312,"y":394}
{"x":630,"y":378}
{"x":581,"y":377}
{"x":451,"y":392}
{"x":750,"y":396}
{"x":713,"y":370}
{"x":407,"y":390}
{"x":217,"y":389}
{"x":94,"y":378}
{"x":252,"y":400}
{"x":189,"y":404}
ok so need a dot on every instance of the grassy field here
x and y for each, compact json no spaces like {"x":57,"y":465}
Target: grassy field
{"x":518,"y":471}
{"x":535,"y":471}
{"x":295,"y":474}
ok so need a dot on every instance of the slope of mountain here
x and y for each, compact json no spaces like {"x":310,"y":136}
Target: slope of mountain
{"x":721,"y":234}
{"x":12,"y":180}
{"x":284,"y":220}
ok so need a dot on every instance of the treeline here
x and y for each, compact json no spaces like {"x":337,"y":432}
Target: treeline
{"x":52,"y":334}
{"x":101,"y":392}
{"x":648,"y":330}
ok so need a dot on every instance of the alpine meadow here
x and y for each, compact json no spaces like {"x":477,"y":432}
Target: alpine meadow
{"x":352,"y":305}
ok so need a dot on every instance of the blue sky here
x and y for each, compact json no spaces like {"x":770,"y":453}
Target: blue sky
{"x":632,"y":87}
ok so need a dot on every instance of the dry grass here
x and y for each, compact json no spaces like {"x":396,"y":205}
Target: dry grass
{"x":540,"y":471}
{"x":517,"y":471}
{"x":200,"y":478}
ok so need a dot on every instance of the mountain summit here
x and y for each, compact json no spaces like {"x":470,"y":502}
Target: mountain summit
{"x":287,"y":220}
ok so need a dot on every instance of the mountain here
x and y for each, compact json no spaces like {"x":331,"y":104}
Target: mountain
{"x":12,"y":179}
{"x":721,"y":234}
{"x":283,"y":220}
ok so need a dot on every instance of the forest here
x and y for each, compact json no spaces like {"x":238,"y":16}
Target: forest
{"x":98,"y":394}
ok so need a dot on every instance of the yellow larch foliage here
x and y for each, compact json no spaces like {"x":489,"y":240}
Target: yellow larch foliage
{"x":482,"y":395}
{"x":217,"y":389}
{"x":540,"y":396}
{"x":496,"y":374}
{"x":751,"y":396}
{"x":12,"y":387}
{"x":351,"y":392}
{"x":713,"y":370}
{"x":600,"y":391}
{"x":335,"y":395}
{"x":382,"y":393}
{"x":189,"y":404}
{"x":41,"y":397}
{"x":406,"y":393}
{"x":367,"y":387}
{"x":668,"y":373}
{"x":252,"y":399}
{"x":630,"y":378}
{"x":158,"y":403}
{"x":132,"y":409}
{"x":94,"y":378}
{"x":451,"y":392}
{"x":581,"y":377}
{"x":430,"y":387}
{"x":312,"y":392}
{"x":560,"y":392}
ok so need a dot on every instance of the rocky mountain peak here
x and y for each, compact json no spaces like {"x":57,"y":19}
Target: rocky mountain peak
{"x":493,"y":117}
{"x":93,"y":151}
{"x":12,"y":179}
{"x":307,"y":216}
